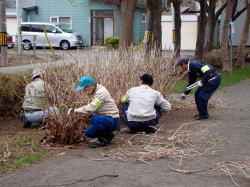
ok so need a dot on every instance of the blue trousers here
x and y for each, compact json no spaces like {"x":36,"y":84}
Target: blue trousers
{"x":141,"y":126}
{"x":39,"y":116}
{"x":99,"y":124}
{"x":203,"y":94}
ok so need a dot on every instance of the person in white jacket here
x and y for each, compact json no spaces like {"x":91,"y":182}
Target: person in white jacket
{"x":105,"y":114}
{"x":33,"y":108}
{"x":143,"y":106}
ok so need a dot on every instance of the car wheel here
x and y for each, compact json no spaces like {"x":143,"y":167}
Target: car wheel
{"x":64,"y":45}
{"x":26,"y":45}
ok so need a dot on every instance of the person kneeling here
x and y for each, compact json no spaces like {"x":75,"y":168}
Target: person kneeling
{"x":34,"y":108}
{"x":105,"y":116}
{"x":143,"y":106}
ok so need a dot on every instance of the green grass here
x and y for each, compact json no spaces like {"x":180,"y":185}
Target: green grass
{"x":20,"y":151}
{"x":29,"y":159}
{"x":3,"y":168}
{"x":227,"y":79}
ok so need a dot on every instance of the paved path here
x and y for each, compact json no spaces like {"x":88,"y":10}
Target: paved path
{"x":232,"y":126}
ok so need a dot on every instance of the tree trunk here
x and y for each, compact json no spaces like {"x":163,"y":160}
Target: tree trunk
{"x":127,"y":19}
{"x":241,"y":51}
{"x":224,"y":39}
{"x":153,"y":31}
{"x":210,"y":26}
{"x":202,"y":21}
{"x":177,"y":29}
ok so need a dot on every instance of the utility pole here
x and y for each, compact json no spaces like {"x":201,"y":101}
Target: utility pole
{"x":19,"y":37}
{"x":3,"y":36}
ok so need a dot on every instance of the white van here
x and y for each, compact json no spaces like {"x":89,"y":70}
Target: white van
{"x":58,"y":37}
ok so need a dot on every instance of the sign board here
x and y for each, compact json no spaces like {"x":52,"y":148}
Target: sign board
{"x":3,"y":39}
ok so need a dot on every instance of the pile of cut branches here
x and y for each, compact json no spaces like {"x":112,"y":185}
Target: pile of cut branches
{"x":177,"y":143}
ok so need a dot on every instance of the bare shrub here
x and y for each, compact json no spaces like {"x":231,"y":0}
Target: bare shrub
{"x":116,"y":70}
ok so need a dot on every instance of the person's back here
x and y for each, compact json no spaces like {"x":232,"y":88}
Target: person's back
{"x":34,"y":94}
{"x":108,"y":106}
{"x":34,"y":108}
{"x":142,"y":106}
{"x":142,"y":100}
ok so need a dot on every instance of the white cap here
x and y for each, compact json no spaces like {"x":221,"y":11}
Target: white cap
{"x":36,"y":72}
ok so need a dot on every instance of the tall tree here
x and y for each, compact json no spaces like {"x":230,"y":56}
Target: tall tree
{"x":127,"y":19}
{"x":224,"y":39}
{"x":177,"y":27}
{"x":202,"y":21}
{"x":210,"y":25}
{"x":241,"y":51}
{"x":153,"y":33}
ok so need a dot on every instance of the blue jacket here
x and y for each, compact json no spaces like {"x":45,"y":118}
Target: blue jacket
{"x":202,"y":70}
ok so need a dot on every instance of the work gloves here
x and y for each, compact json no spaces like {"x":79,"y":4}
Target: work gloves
{"x":199,"y":83}
{"x":71,"y":111}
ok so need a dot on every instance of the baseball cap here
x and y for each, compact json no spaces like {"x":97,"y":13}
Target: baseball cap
{"x":182,"y":60}
{"x":85,"y":82}
{"x":147,"y":79}
{"x":36,"y":72}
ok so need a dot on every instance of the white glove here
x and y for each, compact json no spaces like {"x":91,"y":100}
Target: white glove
{"x":183,"y":96}
{"x":70,"y":111}
{"x":200,"y":84}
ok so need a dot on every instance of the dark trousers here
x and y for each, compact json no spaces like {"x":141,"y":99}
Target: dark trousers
{"x":203,"y":94}
{"x":141,"y":126}
{"x":101,"y":126}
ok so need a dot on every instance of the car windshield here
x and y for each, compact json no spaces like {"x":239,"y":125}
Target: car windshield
{"x":65,"y":29}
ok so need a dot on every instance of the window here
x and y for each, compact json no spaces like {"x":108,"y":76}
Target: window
{"x":36,"y":28}
{"x":50,"y":29}
{"x":65,"y":22}
{"x":143,"y":18}
{"x":54,"y":20}
{"x":25,"y":27}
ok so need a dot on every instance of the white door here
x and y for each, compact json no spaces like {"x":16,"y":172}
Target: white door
{"x":108,"y":28}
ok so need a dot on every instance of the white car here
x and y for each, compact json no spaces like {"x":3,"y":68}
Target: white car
{"x":58,"y":37}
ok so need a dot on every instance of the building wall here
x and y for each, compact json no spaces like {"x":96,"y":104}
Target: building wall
{"x":11,"y":26}
{"x":139,"y":26}
{"x":79,"y":10}
{"x":188,"y":32}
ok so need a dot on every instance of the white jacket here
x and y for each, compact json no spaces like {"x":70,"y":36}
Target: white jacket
{"x":142,"y":100}
{"x":34,"y":94}
{"x":101,"y":103}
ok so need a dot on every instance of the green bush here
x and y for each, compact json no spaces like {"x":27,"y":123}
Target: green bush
{"x":11,"y":93}
{"x":112,"y":42}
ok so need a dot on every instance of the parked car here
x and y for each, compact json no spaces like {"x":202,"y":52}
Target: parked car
{"x":58,"y":37}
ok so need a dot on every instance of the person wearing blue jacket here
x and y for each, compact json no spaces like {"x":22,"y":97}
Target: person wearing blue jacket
{"x":209,"y":81}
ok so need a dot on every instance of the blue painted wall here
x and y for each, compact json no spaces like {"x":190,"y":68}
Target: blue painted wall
{"x":79,"y":10}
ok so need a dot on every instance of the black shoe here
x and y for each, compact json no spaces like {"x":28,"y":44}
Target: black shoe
{"x":150,"y":130}
{"x":111,"y":135}
{"x":97,"y":144}
{"x":201,"y":117}
{"x":196,"y":115}
{"x":27,"y":125}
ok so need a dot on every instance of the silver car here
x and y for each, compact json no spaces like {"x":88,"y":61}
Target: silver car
{"x":57,"y":37}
